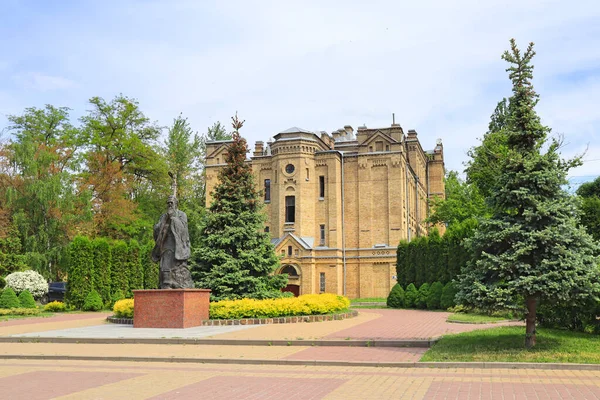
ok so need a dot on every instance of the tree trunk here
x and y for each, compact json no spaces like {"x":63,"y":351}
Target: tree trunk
{"x":531,"y":304}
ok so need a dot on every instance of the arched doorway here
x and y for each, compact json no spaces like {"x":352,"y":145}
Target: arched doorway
{"x":293,"y":285}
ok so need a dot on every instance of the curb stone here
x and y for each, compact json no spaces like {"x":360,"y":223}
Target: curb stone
{"x":481,"y":365}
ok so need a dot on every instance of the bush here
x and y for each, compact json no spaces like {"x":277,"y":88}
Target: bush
{"x":2,"y":283}
{"x":116,"y":296}
{"x":20,"y":311}
{"x":448,"y":295}
{"x":9,"y":299}
{"x":308,"y":304}
{"x":28,"y":280}
{"x":123,"y":308}
{"x":55,"y":306}
{"x":396,"y":297}
{"x":26,"y":300}
{"x":81,"y":262}
{"x":100,"y":273}
{"x":410,"y":296}
{"x":421,"y":301}
{"x":435,"y":295}
{"x":93,"y":302}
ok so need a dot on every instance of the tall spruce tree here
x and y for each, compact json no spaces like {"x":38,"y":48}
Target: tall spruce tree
{"x":531,"y":249}
{"x":235,"y":258}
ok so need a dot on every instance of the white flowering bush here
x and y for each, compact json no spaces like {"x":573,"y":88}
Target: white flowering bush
{"x":27,"y":280}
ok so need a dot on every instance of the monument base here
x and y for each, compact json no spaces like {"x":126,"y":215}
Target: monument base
{"x":170,"y":308}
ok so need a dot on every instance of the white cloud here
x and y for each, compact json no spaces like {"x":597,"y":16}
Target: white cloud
{"x":43,"y":82}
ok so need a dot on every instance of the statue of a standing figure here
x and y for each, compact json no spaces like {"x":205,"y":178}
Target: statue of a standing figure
{"x":172,"y":247}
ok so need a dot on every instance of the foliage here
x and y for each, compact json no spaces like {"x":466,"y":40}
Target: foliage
{"x":410,"y":296}
{"x":26,"y":300}
{"x":448,"y":295}
{"x":19,"y":311}
{"x":235,"y":257}
{"x":531,"y":249}
{"x":123,"y":169}
{"x":471,"y":318}
{"x":396,"y":297}
{"x":116,"y":296}
{"x":93,"y":302}
{"x":422,"y":295}
{"x":434,"y":258}
{"x":81,"y":262}
{"x":27,"y":280}
{"x":463,"y":201}
{"x":582,"y":317}
{"x":308,"y":304}
{"x":119,"y":273}
{"x":101,"y":268}
{"x":8,"y":299}
{"x":150,"y":268}
{"x":134,"y":267}
{"x":12,"y":258}
{"x":435,"y":295}
{"x":504,"y":344}
{"x":38,"y":186}
{"x":55,"y":306}
{"x":590,"y":207}
{"x":123,"y":308}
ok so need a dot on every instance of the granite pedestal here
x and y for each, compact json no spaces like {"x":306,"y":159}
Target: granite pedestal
{"x":170,"y":308}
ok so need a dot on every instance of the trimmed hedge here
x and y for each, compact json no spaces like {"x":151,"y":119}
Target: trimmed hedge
{"x":396,"y":297}
{"x":26,"y":300}
{"x":102,"y":266}
{"x":435,"y":295}
{"x":20,"y":311}
{"x":81,"y":261}
{"x":308,"y":304}
{"x":448,"y":295}
{"x":134,"y":267}
{"x":410,"y":296}
{"x":9,"y":299}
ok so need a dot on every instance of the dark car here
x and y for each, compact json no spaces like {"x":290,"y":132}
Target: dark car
{"x":56,"y":292}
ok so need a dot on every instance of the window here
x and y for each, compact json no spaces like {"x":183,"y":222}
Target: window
{"x":296,"y":253}
{"x":378,"y":146}
{"x":267,"y":229}
{"x":322,"y":281}
{"x":321,"y":187}
{"x":370,"y":149}
{"x":290,"y":270}
{"x":267,"y":190}
{"x":322,"y":229}
{"x":387,"y":147}
{"x":289,"y":168}
{"x":290,"y":209}
{"x":290,"y":251}
{"x":307,"y":174}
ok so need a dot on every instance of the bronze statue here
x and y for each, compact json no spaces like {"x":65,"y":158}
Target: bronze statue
{"x":172,"y":246}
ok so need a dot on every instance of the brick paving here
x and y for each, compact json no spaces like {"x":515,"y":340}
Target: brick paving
{"x":133,"y":381}
{"x":371,"y":354}
{"x":408,"y":324}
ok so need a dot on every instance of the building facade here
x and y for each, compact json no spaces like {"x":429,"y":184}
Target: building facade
{"x":337,"y":205}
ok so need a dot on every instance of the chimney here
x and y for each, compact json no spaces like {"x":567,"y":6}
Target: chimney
{"x":349,"y":130}
{"x":258,"y":149}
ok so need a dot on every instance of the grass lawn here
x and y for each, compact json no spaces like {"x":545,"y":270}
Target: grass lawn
{"x":368,"y":306}
{"x":508,"y":344}
{"x":474,"y":318}
{"x":369,"y":300}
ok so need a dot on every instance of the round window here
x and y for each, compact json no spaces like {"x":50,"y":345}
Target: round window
{"x":289,"y":168}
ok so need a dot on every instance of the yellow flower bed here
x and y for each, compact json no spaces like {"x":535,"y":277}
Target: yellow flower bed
{"x":56,"y":306}
{"x":19,"y":311}
{"x":308,"y":304}
{"x":123,"y":308}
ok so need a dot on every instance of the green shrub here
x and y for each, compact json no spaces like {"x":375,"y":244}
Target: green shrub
{"x":93,"y":302}
{"x":55,"y":306}
{"x":119,"y":273}
{"x":421,"y":301}
{"x":81,"y":261}
{"x":308,"y":304}
{"x":435,"y":295}
{"x":396,"y":297}
{"x":100,"y":273}
{"x":26,"y":300}
{"x":9,"y":299}
{"x":116,"y":296}
{"x":410,"y":296}
{"x":2,"y":282}
{"x":448,"y":294}
{"x":123,"y":308}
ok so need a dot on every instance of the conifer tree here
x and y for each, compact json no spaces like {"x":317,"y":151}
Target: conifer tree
{"x":235,"y":258}
{"x":531,"y":249}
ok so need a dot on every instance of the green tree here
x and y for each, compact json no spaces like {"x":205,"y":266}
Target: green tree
{"x":435,"y":296}
{"x":422,"y":295}
{"x":8,"y":299}
{"x":486,"y":160}
{"x":124,"y":168}
{"x":135,"y":268}
{"x":463,"y":201}
{"x":531,"y":248}
{"x":101,"y":268}
{"x":589,"y":208}
{"x":38,"y":186}
{"x":26,"y":300}
{"x":396,"y":297}
{"x":151,"y":269}
{"x":81,"y":261}
{"x":119,"y":273}
{"x":410,"y":296}
{"x":235,"y":257}
{"x":448,"y":295}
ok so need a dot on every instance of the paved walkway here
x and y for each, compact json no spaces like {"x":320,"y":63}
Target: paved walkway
{"x":75,"y":380}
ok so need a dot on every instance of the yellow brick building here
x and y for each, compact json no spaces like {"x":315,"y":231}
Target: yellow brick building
{"x":338,"y":204}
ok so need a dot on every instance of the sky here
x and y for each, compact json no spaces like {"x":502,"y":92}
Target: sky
{"x":318,"y":65}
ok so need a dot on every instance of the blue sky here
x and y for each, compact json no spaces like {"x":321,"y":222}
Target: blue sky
{"x":318,"y":65}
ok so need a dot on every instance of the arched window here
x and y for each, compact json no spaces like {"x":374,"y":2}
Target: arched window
{"x":290,"y":270}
